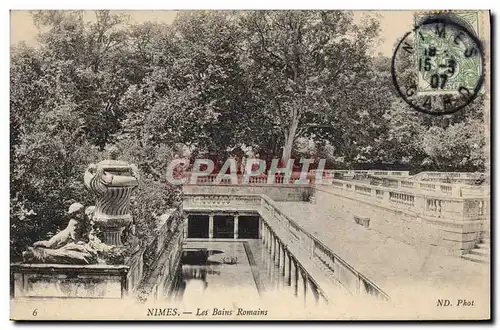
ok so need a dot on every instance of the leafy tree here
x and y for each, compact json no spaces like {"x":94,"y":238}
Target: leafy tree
{"x":85,"y":61}
{"x":305,"y":67}
{"x":46,"y":176}
{"x":281,"y":82}
{"x":196,"y":93}
{"x":64,"y":108}
{"x":457,"y":142}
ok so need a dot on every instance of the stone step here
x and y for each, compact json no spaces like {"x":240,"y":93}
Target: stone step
{"x":481,"y":252}
{"x":485,"y":240}
{"x":482,"y":246}
{"x":326,"y":270}
{"x":320,"y":263}
{"x":476,"y":258}
{"x":322,"y":266}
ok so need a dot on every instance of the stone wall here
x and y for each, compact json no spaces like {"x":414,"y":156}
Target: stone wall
{"x":163,"y":257}
{"x":136,"y":269}
{"x":323,"y":266}
{"x":311,"y":254}
{"x":159,"y":256}
{"x":411,"y":225}
{"x":278,"y":192}
{"x":68,"y":281}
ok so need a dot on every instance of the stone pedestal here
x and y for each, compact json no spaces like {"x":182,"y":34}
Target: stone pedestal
{"x":68,"y":281}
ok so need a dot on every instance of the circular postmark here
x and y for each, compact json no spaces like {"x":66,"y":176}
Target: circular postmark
{"x":438,"y":67}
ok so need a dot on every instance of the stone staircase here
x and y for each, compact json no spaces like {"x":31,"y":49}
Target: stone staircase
{"x":325,"y":269}
{"x":480,"y":253}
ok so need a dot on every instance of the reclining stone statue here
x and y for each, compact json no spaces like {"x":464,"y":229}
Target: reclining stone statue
{"x":95,"y":236}
{"x":69,"y":246}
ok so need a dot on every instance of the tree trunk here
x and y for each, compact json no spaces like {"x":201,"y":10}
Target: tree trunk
{"x":290,"y":138}
{"x":287,"y":150}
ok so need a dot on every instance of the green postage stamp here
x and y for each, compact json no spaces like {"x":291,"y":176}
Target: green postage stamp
{"x":446,"y":56}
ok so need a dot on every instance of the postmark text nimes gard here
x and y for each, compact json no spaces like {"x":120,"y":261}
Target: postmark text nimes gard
{"x":438,"y":68}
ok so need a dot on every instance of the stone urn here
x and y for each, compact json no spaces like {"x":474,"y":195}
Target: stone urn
{"x":112,"y":182}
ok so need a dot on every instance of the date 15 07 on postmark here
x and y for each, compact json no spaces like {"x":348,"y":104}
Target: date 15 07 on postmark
{"x":438,"y":68}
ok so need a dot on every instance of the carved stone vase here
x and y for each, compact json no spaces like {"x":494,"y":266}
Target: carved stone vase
{"x":112,"y":182}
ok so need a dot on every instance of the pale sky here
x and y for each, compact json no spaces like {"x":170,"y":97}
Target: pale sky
{"x":394,"y":24}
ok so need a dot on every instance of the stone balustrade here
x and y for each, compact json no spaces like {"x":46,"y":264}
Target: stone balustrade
{"x":212,"y":179}
{"x":453,"y":216}
{"x":278,"y":192}
{"x":350,"y":173}
{"x":211,"y":201}
{"x":439,"y":188}
{"x":391,"y":179}
{"x":353,"y":281}
{"x":308,"y":250}
{"x":448,"y":176}
{"x":162,"y":252}
{"x":101,"y":280}
{"x":340,"y":271}
{"x":431,"y":200}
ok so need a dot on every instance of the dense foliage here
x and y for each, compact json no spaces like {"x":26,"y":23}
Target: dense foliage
{"x":286,"y":83}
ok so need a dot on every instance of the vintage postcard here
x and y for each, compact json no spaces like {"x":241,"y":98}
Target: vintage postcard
{"x":250,"y":165}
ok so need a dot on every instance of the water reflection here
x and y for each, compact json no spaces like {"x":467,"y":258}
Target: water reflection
{"x":195,"y":268}
{"x":198,"y":256}
{"x":231,"y":267}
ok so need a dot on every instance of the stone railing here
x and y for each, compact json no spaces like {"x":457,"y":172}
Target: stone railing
{"x":351,"y":173}
{"x":261,"y":179}
{"x":391,"y":179}
{"x":351,"y":279}
{"x":294,"y":178}
{"x":449,"y":176}
{"x":447,"y":189}
{"x":311,"y":252}
{"x":144,"y":260}
{"x":431,"y":200}
{"x":278,"y":192}
{"x":216,"y":201}
{"x":401,"y":180}
{"x":424,"y":180}
{"x":167,"y":239}
{"x":102,"y":281}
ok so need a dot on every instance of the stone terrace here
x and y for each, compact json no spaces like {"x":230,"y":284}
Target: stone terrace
{"x":386,"y":261}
